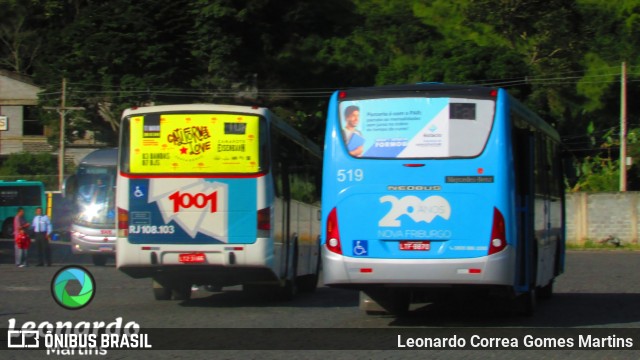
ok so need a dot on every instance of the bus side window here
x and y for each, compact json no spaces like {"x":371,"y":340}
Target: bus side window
{"x":541,"y":166}
{"x":281,"y":162}
{"x":555,"y":173}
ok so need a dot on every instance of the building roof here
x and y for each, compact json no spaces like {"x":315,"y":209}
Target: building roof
{"x":16,"y":89}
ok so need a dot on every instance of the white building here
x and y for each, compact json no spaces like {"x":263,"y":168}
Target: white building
{"x":20,"y":128}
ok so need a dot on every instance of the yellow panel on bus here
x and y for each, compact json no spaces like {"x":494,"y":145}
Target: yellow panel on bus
{"x":194,"y":143}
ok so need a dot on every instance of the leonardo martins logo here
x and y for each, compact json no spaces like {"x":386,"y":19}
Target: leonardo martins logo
{"x":64,"y":287}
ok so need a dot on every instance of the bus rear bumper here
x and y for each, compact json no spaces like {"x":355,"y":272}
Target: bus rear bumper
{"x":222,"y":264}
{"x":93,"y":245}
{"x":343,"y":271}
{"x":218,"y":275}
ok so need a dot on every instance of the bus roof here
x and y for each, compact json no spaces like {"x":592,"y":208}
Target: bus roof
{"x":439,"y":89}
{"x":20,"y":183}
{"x":194,"y":107}
{"x":432,"y":88}
{"x":101,"y":157}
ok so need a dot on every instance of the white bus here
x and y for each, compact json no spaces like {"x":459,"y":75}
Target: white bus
{"x":217,"y":195}
{"x":92,"y":192}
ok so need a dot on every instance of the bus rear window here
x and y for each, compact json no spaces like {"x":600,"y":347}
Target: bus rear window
{"x":194,"y":143}
{"x":21,"y":195}
{"x":417,"y":127}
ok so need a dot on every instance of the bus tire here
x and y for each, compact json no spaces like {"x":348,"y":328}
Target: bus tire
{"x":309,"y":283}
{"x":289,"y":289}
{"x":7,"y":228}
{"x":546,"y":292}
{"x":528,"y":302}
{"x":161,"y":292}
{"x":99,"y":260}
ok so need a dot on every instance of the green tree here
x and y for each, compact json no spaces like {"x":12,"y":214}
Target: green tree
{"x":116,"y":54}
{"x":613,"y":33}
{"x":20,"y":41}
{"x":30,"y":166}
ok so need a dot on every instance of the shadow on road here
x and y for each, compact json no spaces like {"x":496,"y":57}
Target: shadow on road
{"x":323,"y":298}
{"x":563,"y":310}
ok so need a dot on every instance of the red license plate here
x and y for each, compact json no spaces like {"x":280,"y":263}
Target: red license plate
{"x":415,"y":245}
{"x":192,"y":258}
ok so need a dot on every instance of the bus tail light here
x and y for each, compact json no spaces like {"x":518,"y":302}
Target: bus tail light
{"x":123,"y":222}
{"x":498,"y":241}
{"x":264,"y":219}
{"x":333,"y":235}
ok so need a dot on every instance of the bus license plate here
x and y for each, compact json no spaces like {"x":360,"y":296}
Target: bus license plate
{"x":415,"y":245}
{"x":191,"y":258}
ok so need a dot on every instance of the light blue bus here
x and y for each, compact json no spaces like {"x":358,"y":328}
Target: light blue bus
{"x":216,"y":196}
{"x":432,"y":187}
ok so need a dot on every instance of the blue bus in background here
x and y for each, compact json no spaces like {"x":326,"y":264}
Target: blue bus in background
{"x":432,"y":187}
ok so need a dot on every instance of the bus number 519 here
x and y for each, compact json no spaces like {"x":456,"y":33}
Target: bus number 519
{"x":350,"y":175}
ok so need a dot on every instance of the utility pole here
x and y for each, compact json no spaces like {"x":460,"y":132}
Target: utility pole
{"x":62,"y":110}
{"x":623,"y":128}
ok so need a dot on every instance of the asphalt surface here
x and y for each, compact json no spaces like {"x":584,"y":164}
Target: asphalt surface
{"x":600,"y":291}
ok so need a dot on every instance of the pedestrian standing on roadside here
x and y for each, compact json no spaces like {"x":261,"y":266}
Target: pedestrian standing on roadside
{"x":20,"y":225}
{"x":23,"y":242}
{"x":41,"y":226}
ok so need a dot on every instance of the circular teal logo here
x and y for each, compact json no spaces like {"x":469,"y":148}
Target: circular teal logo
{"x":63,"y":283}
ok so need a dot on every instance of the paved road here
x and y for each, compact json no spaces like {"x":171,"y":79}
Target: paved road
{"x":599,"y":289}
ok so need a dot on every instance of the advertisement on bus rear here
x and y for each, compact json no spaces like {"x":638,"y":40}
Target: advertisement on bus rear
{"x":194,"y":143}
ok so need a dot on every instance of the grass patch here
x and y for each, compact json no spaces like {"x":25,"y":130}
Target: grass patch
{"x":604,"y":245}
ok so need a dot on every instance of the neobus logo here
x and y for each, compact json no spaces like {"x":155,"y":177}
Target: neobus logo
{"x":199,"y":200}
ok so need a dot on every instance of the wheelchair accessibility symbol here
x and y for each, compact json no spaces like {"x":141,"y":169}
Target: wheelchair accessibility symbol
{"x":138,"y":193}
{"x":360,"y":248}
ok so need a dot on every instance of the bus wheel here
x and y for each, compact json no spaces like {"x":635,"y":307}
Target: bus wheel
{"x":529,"y":302}
{"x":289,"y":289}
{"x":99,"y":260}
{"x":181,"y":292}
{"x":161,"y":292}
{"x":546,"y":292}
{"x":309,"y":283}
{"x":7,"y":228}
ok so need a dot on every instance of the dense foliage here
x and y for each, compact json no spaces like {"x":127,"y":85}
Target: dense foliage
{"x":561,"y":57}
{"x":29,"y":166}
